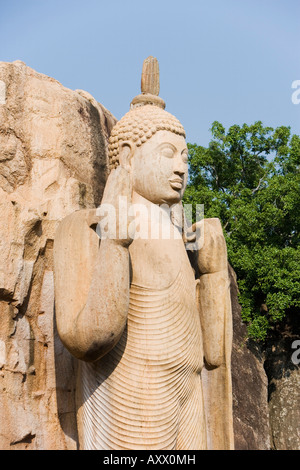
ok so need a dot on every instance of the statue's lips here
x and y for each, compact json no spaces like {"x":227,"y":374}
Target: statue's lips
{"x":176,"y":183}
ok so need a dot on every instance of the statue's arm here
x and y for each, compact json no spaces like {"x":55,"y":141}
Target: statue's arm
{"x":91,"y":287}
{"x":92,"y":278}
{"x":214,"y":293}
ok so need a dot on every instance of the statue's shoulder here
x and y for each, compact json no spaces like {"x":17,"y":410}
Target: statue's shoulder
{"x":212,"y":225}
{"x":76,"y":241}
{"x":82,"y":219}
{"x":77,"y":227}
{"x":211,"y":252}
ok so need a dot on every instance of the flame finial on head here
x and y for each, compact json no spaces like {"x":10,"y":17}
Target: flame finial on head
{"x":146,"y":116}
{"x":150,"y":76}
{"x":149,"y":85}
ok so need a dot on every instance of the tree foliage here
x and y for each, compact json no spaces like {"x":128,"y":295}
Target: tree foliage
{"x":249,"y":178}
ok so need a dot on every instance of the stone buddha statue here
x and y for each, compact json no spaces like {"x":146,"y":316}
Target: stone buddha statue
{"x":149,"y":321}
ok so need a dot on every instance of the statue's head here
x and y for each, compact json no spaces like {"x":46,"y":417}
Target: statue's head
{"x":150,"y":143}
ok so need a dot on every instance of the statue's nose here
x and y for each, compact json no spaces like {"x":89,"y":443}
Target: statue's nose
{"x":179,"y":166}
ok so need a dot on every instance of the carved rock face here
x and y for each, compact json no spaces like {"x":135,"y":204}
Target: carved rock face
{"x":159,"y":168}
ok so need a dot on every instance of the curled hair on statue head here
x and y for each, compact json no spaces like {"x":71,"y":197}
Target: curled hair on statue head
{"x":138,"y":125}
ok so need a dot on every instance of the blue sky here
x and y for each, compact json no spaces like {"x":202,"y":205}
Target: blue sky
{"x":228,"y":60}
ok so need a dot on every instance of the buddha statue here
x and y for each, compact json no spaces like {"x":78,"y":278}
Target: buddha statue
{"x":148,"y":320}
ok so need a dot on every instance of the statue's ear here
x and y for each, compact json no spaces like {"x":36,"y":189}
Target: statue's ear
{"x":125,"y":154}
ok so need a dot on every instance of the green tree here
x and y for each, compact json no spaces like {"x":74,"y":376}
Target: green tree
{"x":249,"y":178}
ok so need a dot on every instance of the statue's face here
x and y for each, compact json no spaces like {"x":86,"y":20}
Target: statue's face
{"x":159,"y":168}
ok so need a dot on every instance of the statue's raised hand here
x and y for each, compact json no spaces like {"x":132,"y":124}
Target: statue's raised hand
{"x":114,"y":221}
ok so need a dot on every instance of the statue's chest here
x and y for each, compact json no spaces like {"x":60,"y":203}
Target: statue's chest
{"x":163,"y":318}
{"x":163,"y":328}
{"x":155,"y":264}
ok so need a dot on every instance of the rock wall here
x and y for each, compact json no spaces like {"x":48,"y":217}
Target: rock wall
{"x":266,"y":384}
{"x":282,"y":359}
{"x":249,"y":385}
{"x":53,"y":161}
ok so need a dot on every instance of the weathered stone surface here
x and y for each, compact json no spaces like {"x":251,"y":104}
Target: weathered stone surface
{"x":282,"y":367}
{"x":249,"y":384}
{"x":53,"y":161}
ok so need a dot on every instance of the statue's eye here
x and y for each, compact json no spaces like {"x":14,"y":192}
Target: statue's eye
{"x":167,"y":152}
{"x":185,"y":157}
